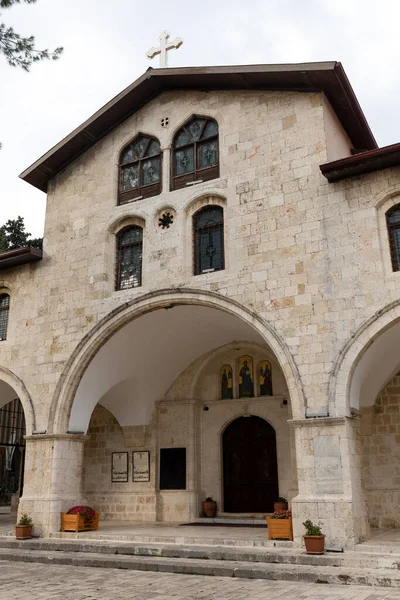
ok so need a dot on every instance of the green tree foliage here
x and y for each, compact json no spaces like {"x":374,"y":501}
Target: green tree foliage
{"x":13,"y":235}
{"x":20,"y":51}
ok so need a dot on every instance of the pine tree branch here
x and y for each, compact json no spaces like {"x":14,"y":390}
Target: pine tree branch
{"x":20,"y":51}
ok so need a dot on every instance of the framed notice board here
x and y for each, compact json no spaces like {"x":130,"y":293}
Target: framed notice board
{"x":173,"y":469}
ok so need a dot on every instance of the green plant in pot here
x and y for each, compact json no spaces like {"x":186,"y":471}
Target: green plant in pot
{"x":314,"y":539}
{"x":281,"y":504}
{"x":23,"y":529}
{"x":210,"y":507}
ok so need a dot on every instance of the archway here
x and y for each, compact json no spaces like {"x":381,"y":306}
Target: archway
{"x":13,"y":428}
{"x":147,"y":366}
{"x":147,"y":326}
{"x":250,"y":470}
{"x":366,"y":385}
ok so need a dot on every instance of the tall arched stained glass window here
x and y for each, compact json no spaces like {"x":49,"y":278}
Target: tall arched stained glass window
{"x":129,"y":257}
{"x":4,"y":310}
{"x":195,"y":153}
{"x":393,"y":225}
{"x":140,"y":169}
{"x":208,"y":230}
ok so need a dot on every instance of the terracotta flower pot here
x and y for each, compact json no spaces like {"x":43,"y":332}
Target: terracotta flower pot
{"x":23,"y":532}
{"x":210,"y":508}
{"x":280,"y":506}
{"x":315,"y":544}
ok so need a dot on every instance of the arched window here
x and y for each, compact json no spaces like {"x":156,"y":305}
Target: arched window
{"x":208,"y":230}
{"x":140,"y":169}
{"x":129,"y":257}
{"x":195,"y":153}
{"x":4,"y":310}
{"x":393,"y":225}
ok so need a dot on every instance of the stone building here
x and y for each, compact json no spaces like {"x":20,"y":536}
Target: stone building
{"x":217,"y":308}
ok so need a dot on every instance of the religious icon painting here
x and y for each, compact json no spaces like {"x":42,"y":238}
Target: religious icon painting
{"x":265,"y":378}
{"x":246,"y":381}
{"x":226,"y":383}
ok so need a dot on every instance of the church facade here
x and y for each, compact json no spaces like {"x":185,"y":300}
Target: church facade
{"x":217,"y":308}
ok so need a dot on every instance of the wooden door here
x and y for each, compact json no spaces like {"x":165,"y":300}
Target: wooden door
{"x":250,"y":466}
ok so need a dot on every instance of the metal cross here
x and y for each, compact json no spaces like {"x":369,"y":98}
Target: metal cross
{"x":163,"y":48}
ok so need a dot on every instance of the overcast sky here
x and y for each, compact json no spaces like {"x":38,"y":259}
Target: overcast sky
{"x":104,"y":51}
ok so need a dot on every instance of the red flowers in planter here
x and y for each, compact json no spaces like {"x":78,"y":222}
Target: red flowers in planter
{"x":281,"y":514}
{"x":86,"y":511}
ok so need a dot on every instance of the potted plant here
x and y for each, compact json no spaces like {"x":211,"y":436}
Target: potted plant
{"x":280,"y":525}
{"x":23,"y":529}
{"x":209,"y":507}
{"x":281,"y":504}
{"x":314,"y":539}
{"x":80,"y":518}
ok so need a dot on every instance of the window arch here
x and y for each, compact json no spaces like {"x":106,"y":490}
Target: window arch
{"x":140,"y":169}
{"x":195,"y":152}
{"x":208,"y":234}
{"x":4,"y":311}
{"x":393,"y":225}
{"x":129,"y":257}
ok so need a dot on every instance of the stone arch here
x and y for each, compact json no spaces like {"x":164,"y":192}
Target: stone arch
{"x":18,"y":386}
{"x":167,"y":298}
{"x":123,"y":220}
{"x":198,"y":201}
{"x":369,"y":338}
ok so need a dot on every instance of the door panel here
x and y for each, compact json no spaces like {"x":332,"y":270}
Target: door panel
{"x":250,"y":466}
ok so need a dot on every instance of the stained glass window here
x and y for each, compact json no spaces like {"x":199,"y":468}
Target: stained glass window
{"x":140,"y":169}
{"x":393,"y":225}
{"x":208,"y":228}
{"x":195,"y":152}
{"x":129,"y":257}
{"x":4,"y":310}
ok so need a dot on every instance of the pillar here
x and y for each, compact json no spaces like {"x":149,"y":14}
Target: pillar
{"x":53,"y":478}
{"x":329,"y":481}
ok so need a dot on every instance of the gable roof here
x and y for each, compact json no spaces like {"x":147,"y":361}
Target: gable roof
{"x":328,"y":77}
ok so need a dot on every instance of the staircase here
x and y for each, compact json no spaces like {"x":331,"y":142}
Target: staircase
{"x":267,"y":562}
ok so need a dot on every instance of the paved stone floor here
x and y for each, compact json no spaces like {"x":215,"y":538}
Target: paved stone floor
{"x":58,"y":582}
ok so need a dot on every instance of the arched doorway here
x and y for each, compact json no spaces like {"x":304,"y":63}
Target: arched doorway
{"x":12,"y":449}
{"x":250,"y":471}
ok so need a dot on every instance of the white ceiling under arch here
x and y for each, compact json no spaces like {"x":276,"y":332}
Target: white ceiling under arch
{"x":7,"y":393}
{"x":137,"y":365}
{"x":379,"y":363}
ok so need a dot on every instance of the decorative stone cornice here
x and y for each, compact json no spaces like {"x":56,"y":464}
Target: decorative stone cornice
{"x":69,"y":437}
{"x":318,"y":421}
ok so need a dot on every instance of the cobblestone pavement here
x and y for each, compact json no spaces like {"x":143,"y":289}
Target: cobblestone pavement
{"x":27,"y":581}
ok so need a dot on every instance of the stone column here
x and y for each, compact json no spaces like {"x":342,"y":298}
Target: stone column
{"x":329,"y":486}
{"x":53,"y":478}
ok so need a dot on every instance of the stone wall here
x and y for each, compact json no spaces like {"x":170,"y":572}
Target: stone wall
{"x":380,"y":437}
{"x":291,"y":239}
{"x":124,"y":501}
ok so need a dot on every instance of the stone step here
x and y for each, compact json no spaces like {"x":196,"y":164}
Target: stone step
{"x":226,"y":568}
{"x":232,"y":520}
{"x":183,"y":538}
{"x":349,"y":560}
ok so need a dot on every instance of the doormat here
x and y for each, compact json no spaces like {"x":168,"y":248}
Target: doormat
{"x":251,"y":525}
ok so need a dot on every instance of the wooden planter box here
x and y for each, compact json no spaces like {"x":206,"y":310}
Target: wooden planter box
{"x":77,"y":523}
{"x":280,"y":529}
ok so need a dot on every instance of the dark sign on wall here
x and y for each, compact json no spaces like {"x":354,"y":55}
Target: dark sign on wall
{"x":173,"y":469}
